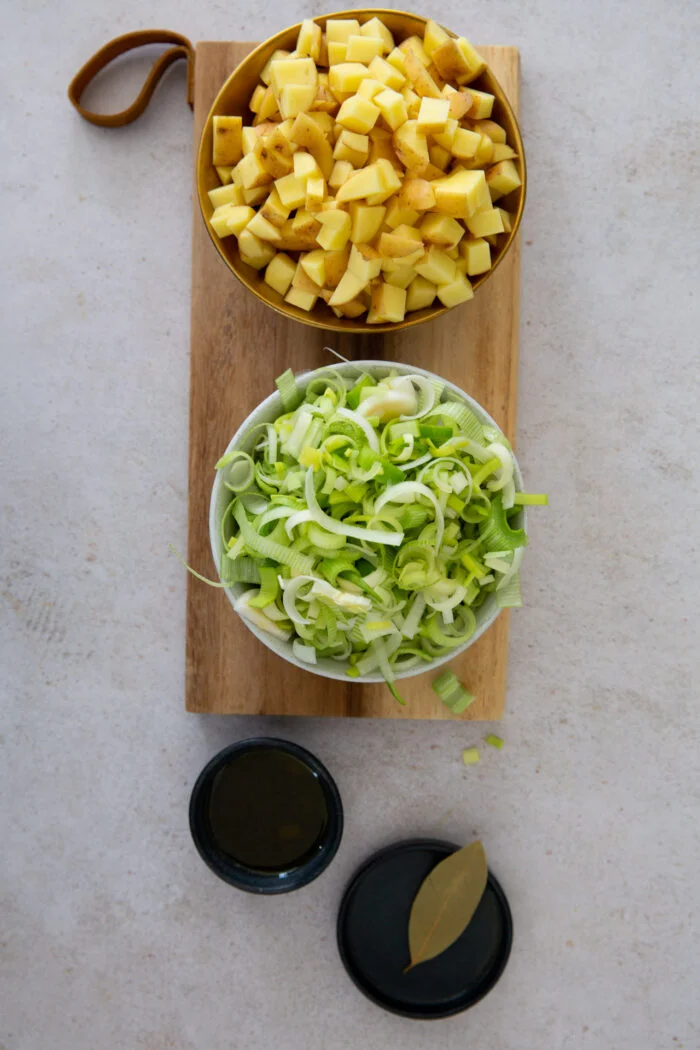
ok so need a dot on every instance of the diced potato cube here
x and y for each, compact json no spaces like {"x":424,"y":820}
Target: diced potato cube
{"x":355,"y":308}
{"x":483,"y":155}
{"x":227,"y":140}
{"x":506,"y":219}
{"x":304,"y":300}
{"x":502,"y":179}
{"x":413,"y":45}
{"x":366,"y":222}
{"x":309,"y":39}
{"x":314,"y":265}
{"x":337,"y":52}
{"x":397,"y":59}
{"x":325,"y":100}
{"x":408,"y":231}
{"x":399,"y":274}
{"x":453,"y":253}
{"x":363,"y":49}
{"x":465,"y":144}
{"x":390,"y":180}
{"x":341,"y":29}
{"x":364,"y":262}
{"x":224,"y":173}
{"x":335,"y":230}
{"x":274,"y":210}
{"x":369,"y":88}
{"x":307,"y":134}
{"x":388,"y":304}
{"x":336,"y":265}
{"x":266,"y":75}
{"x":230,"y":194}
{"x":315,"y":192}
{"x":361,"y":184}
{"x":433,"y":37}
{"x":421,"y":80}
{"x":267,"y":107}
{"x":458,"y":291}
{"x":439,"y":157}
{"x":393,"y":246}
{"x":305,"y":166}
{"x":342,"y":169}
{"x":460,"y":101}
{"x":253,"y":251}
{"x":349,"y":288}
{"x":446,"y":138}
{"x":473,"y":59}
{"x":420,"y":293}
{"x":345,"y":78}
{"x":231,"y":218}
{"x":353,"y":147}
{"x":375,"y":27}
{"x":442,"y":230}
{"x":292,"y":191}
{"x":383,"y":149}
{"x":295,"y":98}
{"x":495,"y":132}
{"x":461,"y":194}
{"x":279,"y":273}
{"x":252,"y":172}
{"x":417,"y":195}
{"x":436,"y":266}
{"x":477,"y":255}
{"x":299,"y":240}
{"x":482,"y":106}
{"x":256,"y":98}
{"x":398,"y":215}
{"x":263,"y":229}
{"x":501,"y":151}
{"x":392,"y":107}
{"x":433,"y":115}
{"x":386,"y":74}
{"x":358,"y":114}
{"x":324,"y":120}
{"x":256,"y":196}
{"x":485,"y":223}
{"x":285,"y":72}
{"x":275,"y":153}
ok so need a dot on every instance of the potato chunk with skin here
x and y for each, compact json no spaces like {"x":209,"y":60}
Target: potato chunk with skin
{"x":275,"y":153}
{"x":307,"y":134}
{"x":433,"y":115}
{"x":420,"y":293}
{"x":388,"y":304}
{"x":450,"y":62}
{"x":411,"y":146}
{"x":423,"y":83}
{"x":336,"y":265}
{"x":263,"y":229}
{"x":353,"y":147}
{"x":279,"y":273}
{"x":358,"y":114}
{"x":472,"y":57}
{"x":393,"y":246}
{"x":227,"y":148}
{"x":252,"y":172}
{"x":416,"y":195}
{"x":274,"y":210}
{"x":482,"y":104}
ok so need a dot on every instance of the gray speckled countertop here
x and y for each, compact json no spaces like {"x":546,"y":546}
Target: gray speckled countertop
{"x":114,"y":934}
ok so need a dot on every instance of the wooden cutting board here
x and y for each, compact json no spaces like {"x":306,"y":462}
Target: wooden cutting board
{"x":238,"y":348}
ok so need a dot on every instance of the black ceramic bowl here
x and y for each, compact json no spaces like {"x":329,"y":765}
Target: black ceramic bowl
{"x":240,"y":875}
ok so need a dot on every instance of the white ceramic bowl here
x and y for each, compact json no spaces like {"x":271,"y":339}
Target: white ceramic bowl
{"x":266,"y":412}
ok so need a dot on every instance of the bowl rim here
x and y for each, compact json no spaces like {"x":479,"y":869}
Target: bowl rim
{"x":332,"y":323}
{"x":326,"y":668}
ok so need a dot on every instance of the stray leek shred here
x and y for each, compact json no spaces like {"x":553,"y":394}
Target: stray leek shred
{"x":494,"y":741}
{"x":452,"y":693}
{"x":470,"y":756}
{"x":371,"y":520}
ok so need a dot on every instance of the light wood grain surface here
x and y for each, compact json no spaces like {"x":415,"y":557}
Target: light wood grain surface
{"x":238,"y":347}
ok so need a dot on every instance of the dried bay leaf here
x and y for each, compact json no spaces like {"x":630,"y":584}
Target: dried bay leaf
{"x":446,"y":902}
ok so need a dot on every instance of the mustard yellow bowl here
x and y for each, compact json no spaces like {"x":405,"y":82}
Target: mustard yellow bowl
{"x":232,"y":100}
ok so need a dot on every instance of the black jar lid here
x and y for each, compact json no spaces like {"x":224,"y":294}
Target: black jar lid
{"x":373,"y":936}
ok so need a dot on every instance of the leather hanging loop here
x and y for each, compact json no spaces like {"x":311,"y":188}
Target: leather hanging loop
{"x":120,"y":46}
